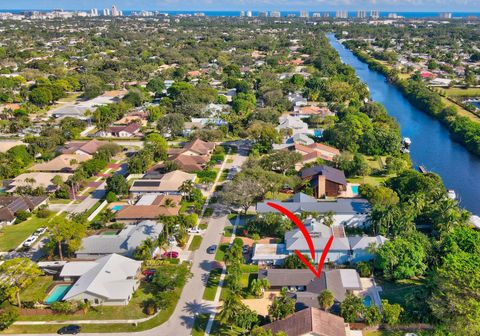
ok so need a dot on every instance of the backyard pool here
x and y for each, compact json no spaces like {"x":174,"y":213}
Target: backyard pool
{"x":367,"y":301}
{"x":117,"y":207}
{"x":318,"y":133}
{"x":355,"y":190}
{"x":57,"y":293}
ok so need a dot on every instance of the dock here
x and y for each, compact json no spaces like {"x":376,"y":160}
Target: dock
{"x":422,"y":169}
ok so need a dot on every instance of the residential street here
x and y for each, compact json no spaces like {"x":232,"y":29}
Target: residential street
{"x":190,"y":302}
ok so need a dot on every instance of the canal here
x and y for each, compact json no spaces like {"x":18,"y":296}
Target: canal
{"x":432,"y":145}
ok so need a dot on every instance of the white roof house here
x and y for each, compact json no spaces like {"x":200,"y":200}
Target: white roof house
{"x":110,"y":280}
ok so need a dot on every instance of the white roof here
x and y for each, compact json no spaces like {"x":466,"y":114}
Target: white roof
{"x":113,"y":278}
{"x":269,"y":252}
{"x":77,"y":268}
{"x":350,"y":278}
{"x":362,"y":242}
{"x":147,"y":199}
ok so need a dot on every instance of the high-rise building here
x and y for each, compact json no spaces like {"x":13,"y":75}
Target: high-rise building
{"x":361,"y":14}
{"x":262,"y":14}
{"x":446,"y":15}
{"x":275,"y":14}
{"x":106,"y":12}
{"x":242,"y":13}
{"x":249,"y":13}
{"x":115,"y":11}
{"x":316,"y":15}
{"x":340,"y":14}
{"x":303,"y":14}
{"x":326,"y":14}
{"x":93,"y":12}
{"x":392,"y":15}
{"x":374,"y":14}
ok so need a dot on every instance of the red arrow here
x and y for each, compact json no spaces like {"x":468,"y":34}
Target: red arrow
{"x":308,"y":238}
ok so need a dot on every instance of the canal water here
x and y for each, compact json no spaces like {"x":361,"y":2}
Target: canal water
{"x":432,"y":145}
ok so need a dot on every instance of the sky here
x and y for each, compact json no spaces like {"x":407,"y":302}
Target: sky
{"x":221,"y":5}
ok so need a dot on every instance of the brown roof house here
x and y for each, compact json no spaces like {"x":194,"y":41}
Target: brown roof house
{"x":126,"y":131}
{"x":195,"y":147}
{"x":37,"y":180}
{"x":66,"y":163}
{"x":81,"y":147}
{"x":193,"y":156}
{"x":10,"y":205}
{"x":312,"y":152}
{"x":325,"y":181}
{"x":150,"y":207}
{"x":311,"y":321}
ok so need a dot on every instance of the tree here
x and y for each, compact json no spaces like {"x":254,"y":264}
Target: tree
{"x":246,"y":319}
{"x":372,"y":315}
{"x":171,"y":124}
{"x":187,"y":188}
{"x":352,"y":308}
{"x":117,"y":184}
{"x":144,"y":250}
{"x":41,"y":96}
{"x":294,"y":262}
{"x":258,"y":286}
{"x":281,"y":307}
{"x":232,"y":306}
{"x":391,"y":312}
{"x":17,"y":274}
{"x":456,"y":290}
{"x":65,"y":232}
{"x":402,"y":258}
{"x":280,"y":161}
{"x":241,"y":192}
{"x":326,"y":299}
{"x":7,"y":318}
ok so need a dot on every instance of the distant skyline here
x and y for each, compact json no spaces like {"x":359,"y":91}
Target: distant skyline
{"x":226,"y":5}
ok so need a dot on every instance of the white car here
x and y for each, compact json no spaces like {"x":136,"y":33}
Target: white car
{"x":29,"y":242}
{"x":172,"y":241}
{"x":40,"y":231}
{"x":193,"y":230}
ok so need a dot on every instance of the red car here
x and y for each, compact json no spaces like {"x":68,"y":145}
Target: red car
{"x":171,"y":254}
{"x":149,"y":272}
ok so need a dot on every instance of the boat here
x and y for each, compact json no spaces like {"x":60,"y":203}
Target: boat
{"x":422,"y":169}
{"x":451,"y":194}
{"x":405,"y":145}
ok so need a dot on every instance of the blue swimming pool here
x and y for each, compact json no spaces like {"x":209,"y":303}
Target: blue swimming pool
{"x":117,"y":207}
{"x":355,"y":189}
{"x":367,"y":301}
{"x":318,"y":133}
{"x":57,"y":293}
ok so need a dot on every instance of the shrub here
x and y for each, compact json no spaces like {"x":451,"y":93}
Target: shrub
{"x":22,"y":215}
{"x":44,"y":213}
{"x":365,"y":269}
{"x":63,"y":307}
{"x":111,"y":197}
{"x":7,"y":318}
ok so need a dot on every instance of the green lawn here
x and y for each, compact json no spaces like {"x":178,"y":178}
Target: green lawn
{"x":212,"y":284}
{"x":195,"y":244}
{"x":398,"y":292}
{"x":228,"y":231}
{"x":395,"y":333}
{"x":12,"y":235}
{"x":249,"y":272}
{"x":462,"y":92}
{"x":162,"y":317}
{"x":200,"y":325}
{"x":374,"y":180}
{"x":221,"y":252}
{"x":37,"y":291}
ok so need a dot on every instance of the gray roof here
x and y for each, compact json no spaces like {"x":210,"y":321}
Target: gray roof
{"x":124,"y":242}
{"x":338,"y":244}
{"x":362,"y":242}
{"x":301,"y":203}
{"x":112,"y":278}
{"x":331,"y":174}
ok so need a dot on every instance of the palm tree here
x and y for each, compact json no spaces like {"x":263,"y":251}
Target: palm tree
{"x":326,"y":300}
{"x":230,"y":309}
{"x":258,"y":286}
{"x":187,"y":187}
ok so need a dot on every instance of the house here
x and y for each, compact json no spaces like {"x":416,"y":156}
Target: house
{"x":269,"y":254}
{"x":149,"y":207}
{"x":313,"y":152}
{"x":297,"y":99}
{"x":190,"y":163}
{"x":325,"y":181}
{"x":126,"y":131}
{"x":360,"y":247}
{"x":36,"y":180}
{"x":304,"y":286}
{"x":109,"y":281}
{"x":136,"y":117}
{"x":295,"y":125}
{"x":124,"y":243}
{"x":310,"y":322}
{"x":311,"y":110}
{"x":10,"y":205}
{"x":348,"y":212}
{"x":66,"y":163}
{"x":168,"y":184}
{"x":82,"y":148}
{"x":195,"y":147}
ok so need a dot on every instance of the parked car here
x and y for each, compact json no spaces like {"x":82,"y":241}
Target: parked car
{"x":211,"y":249}
{"x":245,"y":249}
{"x":40,"y":231}
{"x":148,"y":278}
{"x":193,"y":230}
{"x":71,"y":329}
{"x":172,"y":241}
{"x":29,"y":242}
{"x":149,"y":271}
{"x":170,"y":254}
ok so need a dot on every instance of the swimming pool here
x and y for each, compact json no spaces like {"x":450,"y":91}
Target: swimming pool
{"x":117,"y":207}
{"x":355,"y":189}
{"x":318,"y":133}
{"x":367,"y":301}
{"x":57,"y":293}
